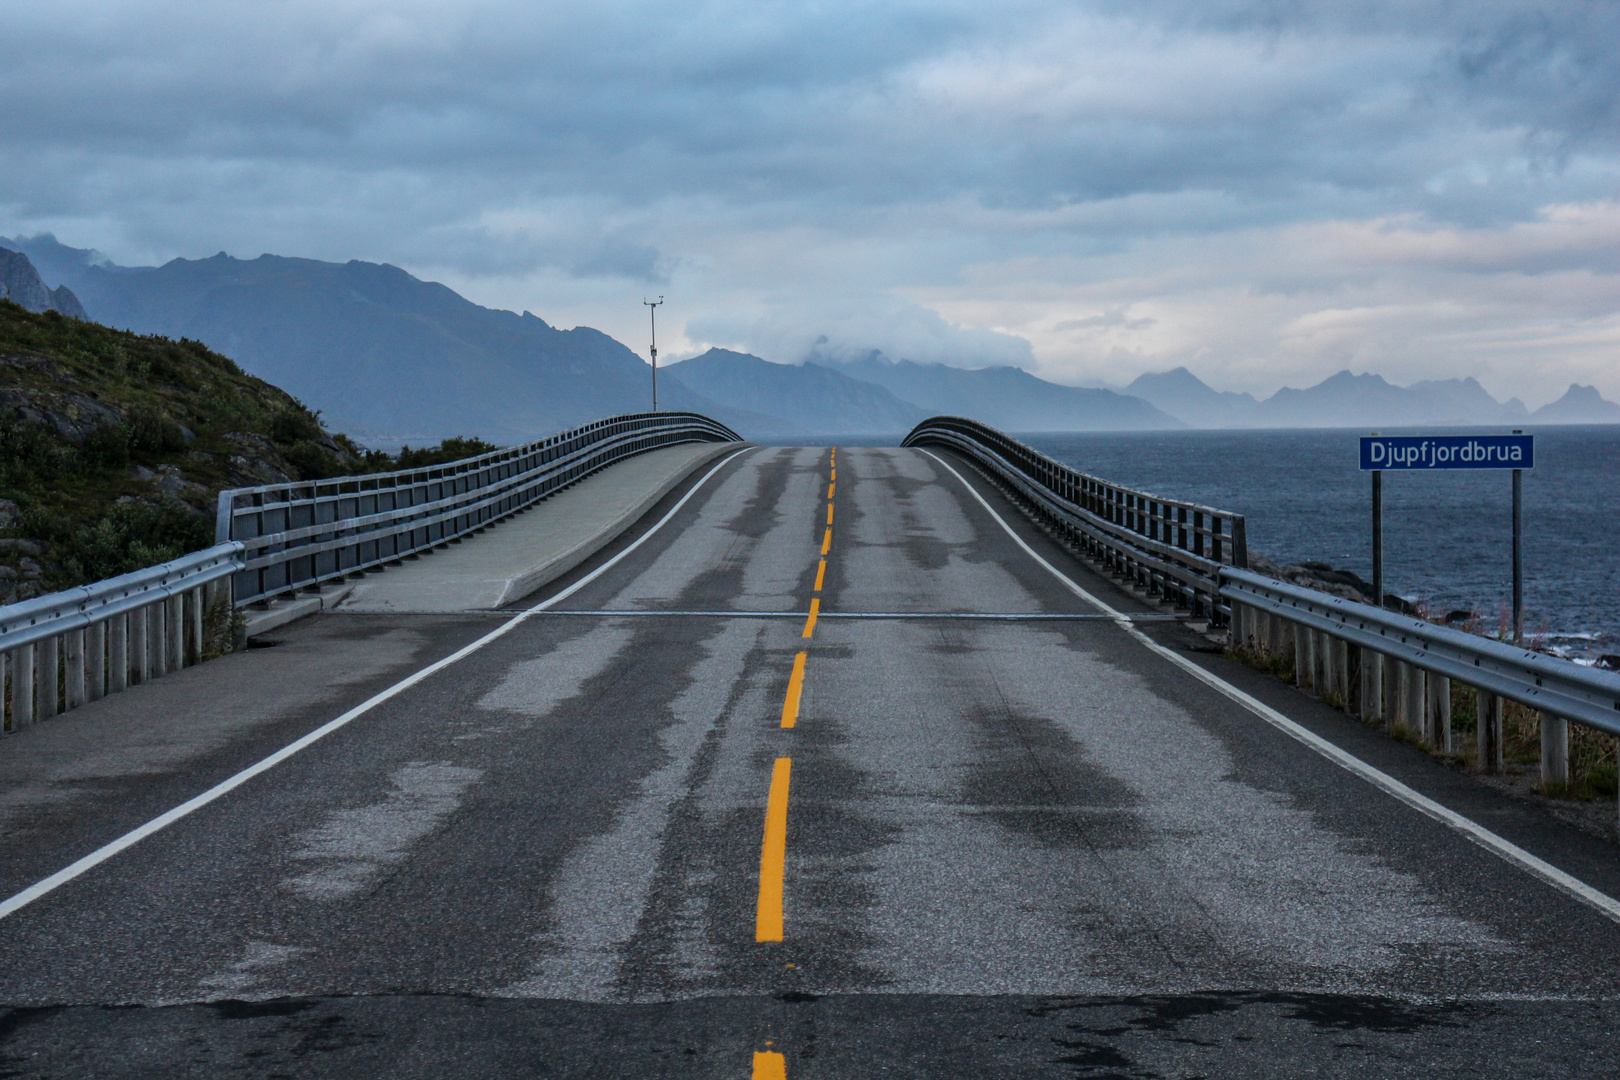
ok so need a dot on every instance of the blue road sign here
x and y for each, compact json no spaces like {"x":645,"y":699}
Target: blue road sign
{"x":1409,"y":452}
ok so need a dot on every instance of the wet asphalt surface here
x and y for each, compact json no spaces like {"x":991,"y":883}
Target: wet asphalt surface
{"x":1022,"y":847}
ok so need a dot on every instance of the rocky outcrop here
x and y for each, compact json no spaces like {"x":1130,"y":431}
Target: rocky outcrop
{"x":21,"y":284}
{"x":1324,"y":578}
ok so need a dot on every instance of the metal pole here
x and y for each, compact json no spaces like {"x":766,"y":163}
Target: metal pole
{"x":1518,"y":553}
{"x":1378,"y":537}
{"x":652,"y":312}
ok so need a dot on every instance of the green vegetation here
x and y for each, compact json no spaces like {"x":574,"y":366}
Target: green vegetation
{"x":114,"y":447}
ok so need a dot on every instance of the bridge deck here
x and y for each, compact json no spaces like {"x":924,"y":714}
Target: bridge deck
{"x":1013,"y":847}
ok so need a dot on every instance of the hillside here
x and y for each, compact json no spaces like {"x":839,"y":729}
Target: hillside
{"x":114,"y":447}
{"x":390,"y":358}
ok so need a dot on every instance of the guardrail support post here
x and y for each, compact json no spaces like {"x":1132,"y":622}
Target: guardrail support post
{"x":174,"y":617}
{"x":1327,"y":669}
{"x":73,"y":670}
{"x":22,"y":687}
{"x":1438,"y":710}
{"x":1554,"y":751}
{"x":1341,"y":671}
{"x":95,"y":646}
{"x":138,"y":669}
{"x":1304,"y":640}
{"x":1392,"y":692}
{"x":45,"y":688}
{"x":117,"y":654}
{"x":156,"y":661}
{"x":1372,"y":687}
{"x":1488,"y":732}
{"x":1417,"y":719}
{"x":194,"y":625}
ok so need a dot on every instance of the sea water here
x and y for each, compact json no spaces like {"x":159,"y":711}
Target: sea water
{"x":1447,"y":535}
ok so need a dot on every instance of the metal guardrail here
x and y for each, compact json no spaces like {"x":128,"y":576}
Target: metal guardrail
{"x":1535,"y":680}
{"x":1392,"y":669}
{"x":299,"y":534}
{"x":61,"y":651}
{"x":1397,"y":671}
{"x":1172,"y":548}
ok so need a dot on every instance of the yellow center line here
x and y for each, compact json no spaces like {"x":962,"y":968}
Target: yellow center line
{"x":826,"y":541}
{"x":768,"y":920}
{"x":833,"y":475}
{"x":769,"y":1065}
{"x":810,"y":623}
{"x":830,"y":491}
{"x":829,"y":513}
{"x":790,"y":707}
{"x":821,"y":574}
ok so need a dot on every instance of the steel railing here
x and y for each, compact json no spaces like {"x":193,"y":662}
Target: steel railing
{"x":1172,"y":548}
{"x":63,"y":650}
{"x":300,"y":534}
{"x":60,"y":651}
{"x":1394,"y":670}
{"x":1397,"y":671}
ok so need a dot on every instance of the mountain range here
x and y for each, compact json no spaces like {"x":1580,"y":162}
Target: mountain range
{"x":391,"y":359}
{"x":1349,"y":400}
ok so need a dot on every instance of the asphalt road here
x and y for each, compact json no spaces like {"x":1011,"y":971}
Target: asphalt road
{"x":990,"y":847}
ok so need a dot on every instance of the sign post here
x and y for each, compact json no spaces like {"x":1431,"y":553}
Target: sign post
{"x":1518,"y":554}
{"x":1418,"y":453}
{"x":1378,"y":536}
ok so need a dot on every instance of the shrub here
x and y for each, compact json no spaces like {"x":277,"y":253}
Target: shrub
{"x":152,"y":432}
{"x":295,"y":424}
{"x":452,"y":449}
{"x":130,"y":536}
{"x":314,"y":462}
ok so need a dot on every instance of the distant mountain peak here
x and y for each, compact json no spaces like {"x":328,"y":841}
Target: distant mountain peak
{"x":21,"y":284}
{"x":1580,"y":404}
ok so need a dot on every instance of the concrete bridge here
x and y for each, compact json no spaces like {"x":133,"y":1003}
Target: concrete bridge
{"x":793,"y":762}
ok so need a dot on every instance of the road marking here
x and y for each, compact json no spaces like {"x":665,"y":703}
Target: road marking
{"x":773,"y":855}
{"x":1479,"y":834}
{"x":810,"y":620}
{"x":821,"y":574}
{"x":164,"y":820}
{"x":790,"y":707}
{"x":740,"y":613}
{"x":769,"y":1065}
{"x":826,"y":541}
{"x":829,"y":513}
{"x":830,"y":488}
{"x":737,"y":613}
{"x":833,"y":475}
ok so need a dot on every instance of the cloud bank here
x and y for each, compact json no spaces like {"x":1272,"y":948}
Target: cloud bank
{"x":1263,"y":191}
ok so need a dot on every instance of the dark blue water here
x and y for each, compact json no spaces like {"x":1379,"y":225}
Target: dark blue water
{"x":1447,"y":536}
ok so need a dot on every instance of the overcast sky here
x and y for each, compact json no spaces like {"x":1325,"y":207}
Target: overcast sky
{"x":1264,"y":192}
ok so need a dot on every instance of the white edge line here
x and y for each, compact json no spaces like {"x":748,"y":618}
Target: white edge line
{"x":164,"y":820}
{"x":1479,"y":834}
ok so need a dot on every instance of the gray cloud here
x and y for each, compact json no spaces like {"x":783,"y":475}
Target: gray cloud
{"x":848,"y":169}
